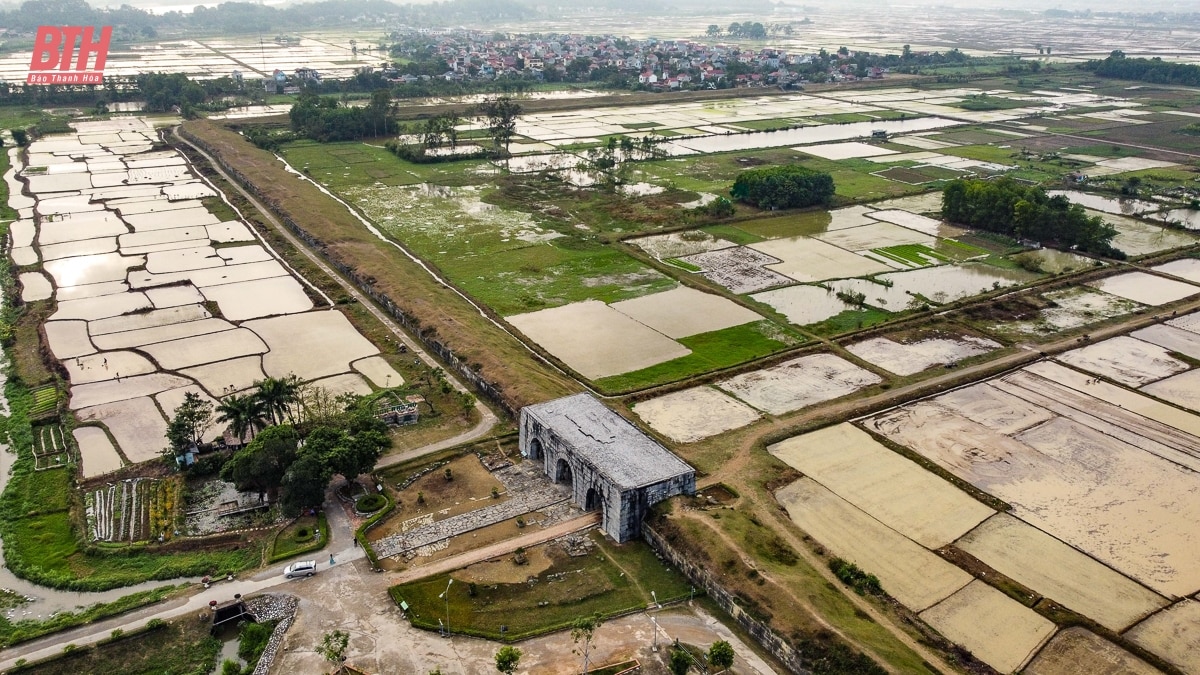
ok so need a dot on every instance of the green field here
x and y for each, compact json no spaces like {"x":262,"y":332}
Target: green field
{"x":612,"y":579}
{"x":351,"y":163}
{"x":710,"y":351}
{"x":915,"y":255}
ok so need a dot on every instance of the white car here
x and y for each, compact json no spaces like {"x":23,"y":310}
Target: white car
{"x":304,"y":568}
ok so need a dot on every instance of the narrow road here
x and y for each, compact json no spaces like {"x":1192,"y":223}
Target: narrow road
{"x":465,"y":558}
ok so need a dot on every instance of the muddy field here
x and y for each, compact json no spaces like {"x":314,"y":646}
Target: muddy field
{"x":888,"y":487}
{"x":1173,"y":635}
{"x":1077,"y":650}
{"x":799,"y":383}
{"x":694,"y":414}
{"x":1071,"y":477}
{"x":995,"y":628}
{"x":908,"y":358}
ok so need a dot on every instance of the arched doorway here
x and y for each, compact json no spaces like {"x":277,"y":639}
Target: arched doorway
{"x":562,"y":472}
{"x":592,"y":501}
{"x":535,"y":449}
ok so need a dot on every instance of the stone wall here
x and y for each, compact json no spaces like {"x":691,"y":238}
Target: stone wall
{"x":488,"y":389}
{"x":703,"y":578}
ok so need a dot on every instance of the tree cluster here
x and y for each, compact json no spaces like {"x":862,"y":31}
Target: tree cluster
{"x":163,"y":92}
{"x":1153,"y":70}
{"x":783,"y":187}
{"x":324,"y":119}
{"x":301,"y":438}
{"x":1026,"y":212}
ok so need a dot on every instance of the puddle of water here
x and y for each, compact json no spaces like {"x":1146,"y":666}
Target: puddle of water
{"x":805,"y":135}
{"x":1129,"y":207}
{"x":948,"y":283}
{"x":1188,"y":218}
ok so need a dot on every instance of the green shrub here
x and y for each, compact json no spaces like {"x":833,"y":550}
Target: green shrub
{"x":851,"y":575}
{"x":370,"y":503}
{"x":252,"y":641}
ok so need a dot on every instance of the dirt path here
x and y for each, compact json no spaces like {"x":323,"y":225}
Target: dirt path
{"x":461,"y":560}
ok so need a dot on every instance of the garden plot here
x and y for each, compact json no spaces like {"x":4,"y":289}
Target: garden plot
{"x":102,"y":307}
{"x":106,"y":366}
{"x":149,"y":336}
{"x":50,"y":449}
{"x":684,"y":311}
{"x":740,"y":269}
{"x":311,"y":345}
{"x":1189,"y":322}
{"x":1184,"y":268}
{"x":1070,"y":308}
{"x":378,"y":371}
{"x":596,"y":340}
{"x":139,"y":509}
{"x":68,"y":339}
{"x":799,"y":383}
{"x":97,"y":456}
{"x":992,"y":626}
{"x":807,"y":260}
{"x":1053,"y":569}
{"x":678,"y":244}
{"x":1123,"y":506}
{"x":1173,"y":634}
{"x":1171,"y":338}
{"x":201,"y":349}
{"x":947,"y":283}
{"x":875,"y":235}
{"x":1126,"y":360}
{"x":803,"y":305}
{"x":227,"y":377}
{"x":1147,"y":289}
{"x":910,"y":358}
{"x":91,"y":269}
{"x":851,"y":150}
{"x":34,"y":286}
{"x":259,"y":298}
{"x":1078,"y":650}
{"x":915,"y":577}
{"x":694,"y":414}
{"x":884,"y":485}
{"x":136,"y":425}
{"x":1138,"y":237}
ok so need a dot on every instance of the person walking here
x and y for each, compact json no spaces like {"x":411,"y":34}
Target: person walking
{"x":331,"y":560}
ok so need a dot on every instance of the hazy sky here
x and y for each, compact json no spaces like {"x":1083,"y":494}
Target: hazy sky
{"x":900,"y":5}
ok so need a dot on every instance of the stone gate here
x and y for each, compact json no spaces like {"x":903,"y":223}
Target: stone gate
{"x":608,"y":462}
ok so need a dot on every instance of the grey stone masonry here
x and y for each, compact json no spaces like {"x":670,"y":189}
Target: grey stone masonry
{"x":609,"y":463}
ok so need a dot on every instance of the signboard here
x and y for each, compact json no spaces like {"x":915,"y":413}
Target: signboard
{"x":56,"y":60}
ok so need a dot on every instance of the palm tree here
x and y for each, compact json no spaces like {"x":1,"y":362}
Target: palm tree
{"x":242,"y":413}
{"x":277,"y":395}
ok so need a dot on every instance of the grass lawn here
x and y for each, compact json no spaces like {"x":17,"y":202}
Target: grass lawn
{"x":183,"y":647}
{"x":353,"y":163}
{"x":913,"y":254}
{"x":611,"y":579}
{"x":850,"y":320}
{"x":710,"y":351}
{"x":307,"y":533}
